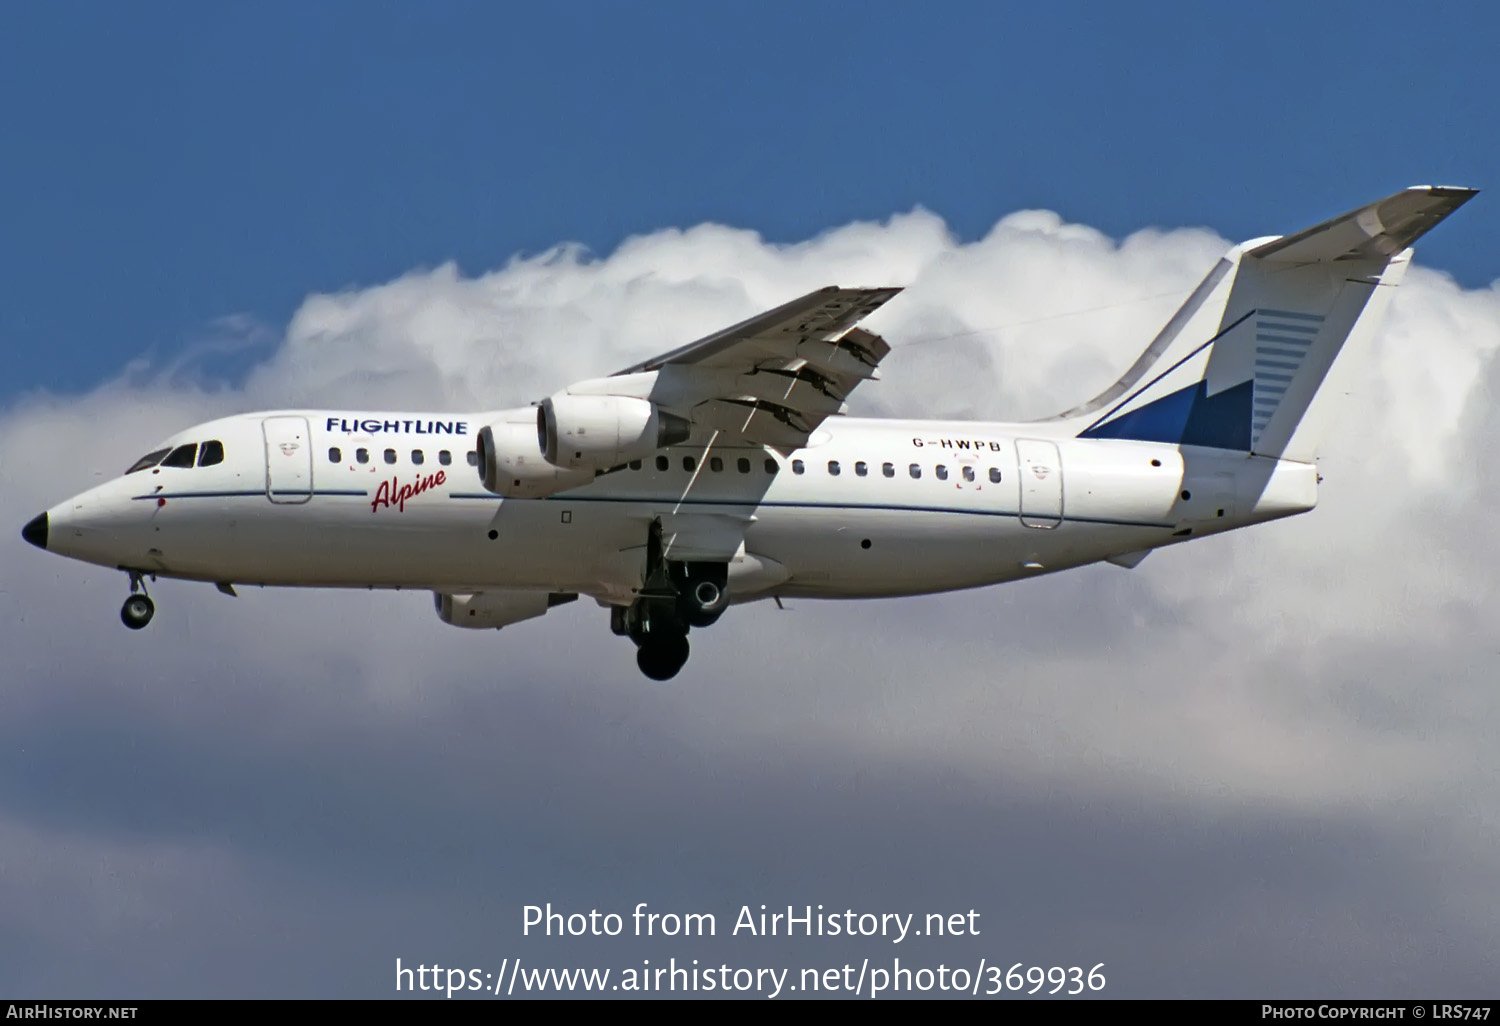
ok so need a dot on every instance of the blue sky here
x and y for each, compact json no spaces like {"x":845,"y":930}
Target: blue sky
{"x":171,"y":164}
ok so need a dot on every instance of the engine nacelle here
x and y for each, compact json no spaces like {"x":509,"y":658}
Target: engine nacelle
{"x":495,"y":609}
{"x":511,"y":464}
{"x":603,"y":431}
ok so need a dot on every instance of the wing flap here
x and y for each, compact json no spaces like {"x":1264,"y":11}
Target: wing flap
{"x":854,"y":355}
{"x":801,"y":390}
{"x":771,"y":379}
{"x":826,"y":313}
{"x":757,"y":421}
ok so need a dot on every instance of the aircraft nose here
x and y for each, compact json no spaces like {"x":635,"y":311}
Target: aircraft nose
{"x":36,"y":531}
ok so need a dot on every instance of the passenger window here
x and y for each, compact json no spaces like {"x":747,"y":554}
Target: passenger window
{"x":797,"y":467}
{"x":916,"y":471}
{"x":833,"y":468}
{"x":662,"y":463}
{"x":860,"y":469}
{"x":968,"y":472}
{"x":715,"y":464}
{"x":390,"y":455}
{"x":994,"y":475}
{"x":417,"y":456}
{"x":182,"y":456}
{"x":888,"y":470}
{"x":334,"y":456}
{"x":635,"y":464}
{"x":771,"y":466}
{"x":445,"y":457}
{"x":211,"y":453}
{"x":743,"y":465}
{"x":942,"y":472}
{"x":473,"y":458}
{"x":363,"y":455}
{"x":151,"y":459}
{"x":688,"y":463}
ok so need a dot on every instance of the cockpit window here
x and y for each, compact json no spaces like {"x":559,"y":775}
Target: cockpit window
{"x":151,"y":459}
{"x":182,"y":456}
{"x":211,"y":453}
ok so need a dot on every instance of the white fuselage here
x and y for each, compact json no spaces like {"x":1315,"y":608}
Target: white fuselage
{"x":915,"y":506}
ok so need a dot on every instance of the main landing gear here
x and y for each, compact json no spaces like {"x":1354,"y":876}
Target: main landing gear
{"x":676,"y":596}
{"x":660,"y":638}
{"x":138,"y":608}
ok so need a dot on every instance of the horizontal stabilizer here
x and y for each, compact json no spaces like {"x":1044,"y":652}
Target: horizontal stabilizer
{"x":1380,"y":230}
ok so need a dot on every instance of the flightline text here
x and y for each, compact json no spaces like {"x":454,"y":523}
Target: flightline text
{"x":371,"y":426}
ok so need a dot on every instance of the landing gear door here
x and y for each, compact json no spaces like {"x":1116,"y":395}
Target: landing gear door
{"x":288,"y":459}
{"x":1040,"y":467}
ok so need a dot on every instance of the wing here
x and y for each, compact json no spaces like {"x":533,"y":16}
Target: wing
{"x":771,"y":380}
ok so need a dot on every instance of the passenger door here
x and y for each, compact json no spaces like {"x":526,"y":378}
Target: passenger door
{"x":1040,"y":467}
{"x":288,"y":459}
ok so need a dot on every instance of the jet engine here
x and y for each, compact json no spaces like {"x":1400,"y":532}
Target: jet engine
{"x":512,"y":464}
{"x":603,"y":431}
{"x":495,"y":609}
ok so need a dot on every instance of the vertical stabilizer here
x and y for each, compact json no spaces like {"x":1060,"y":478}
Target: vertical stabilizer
{"x":1241,"y":366}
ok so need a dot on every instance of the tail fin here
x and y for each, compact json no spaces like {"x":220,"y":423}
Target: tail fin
{"x":1238,"y":367}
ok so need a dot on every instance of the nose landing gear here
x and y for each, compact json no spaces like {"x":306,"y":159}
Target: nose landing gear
{"x":137,"y":611}
{"x":138,"y":608}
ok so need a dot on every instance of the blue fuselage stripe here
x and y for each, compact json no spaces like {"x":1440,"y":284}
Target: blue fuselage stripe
{"x":239,"y":494}
{"x":678,"y":501}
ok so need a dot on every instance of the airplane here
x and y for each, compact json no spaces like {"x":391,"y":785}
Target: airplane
{"x":727,"y":471}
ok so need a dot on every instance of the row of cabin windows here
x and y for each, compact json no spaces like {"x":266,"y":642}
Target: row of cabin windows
{"x":715,"y":464}
{"x":418,"y":456}
{"x":862,"y":469}
{"x":191,"y":455}
{"x":835,"y":468}
{"x":689,"y":463}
